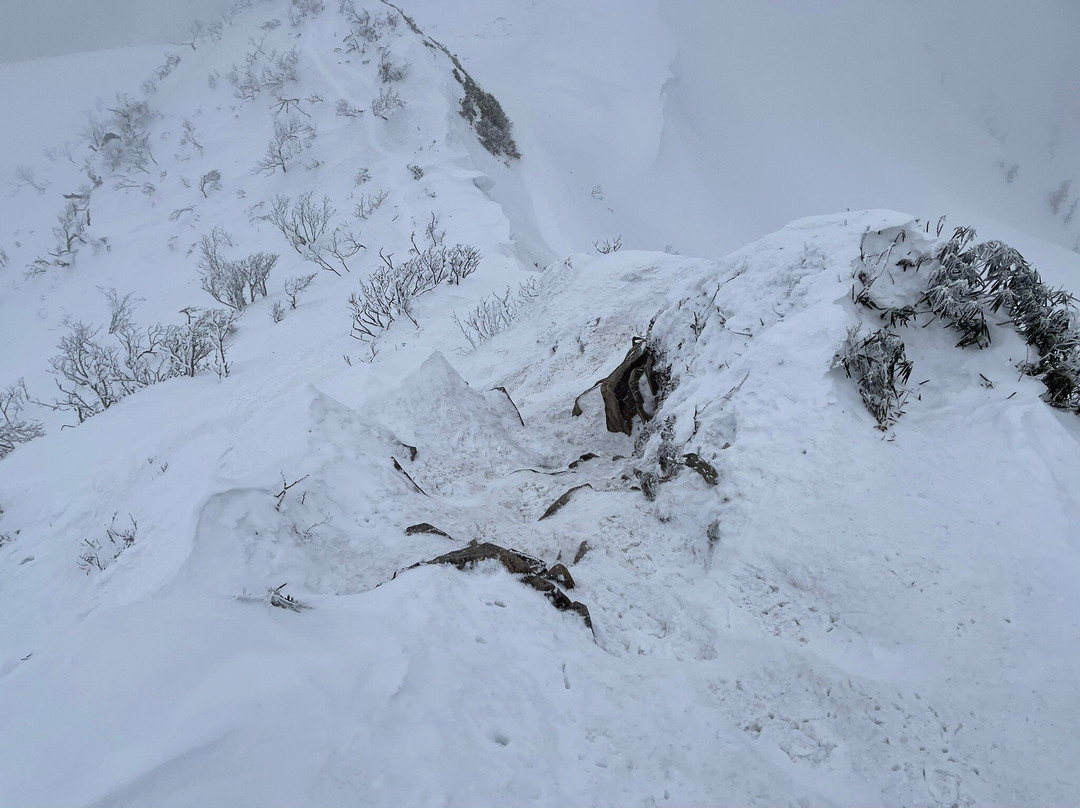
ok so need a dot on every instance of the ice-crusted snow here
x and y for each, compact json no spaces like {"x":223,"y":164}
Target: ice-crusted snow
{"x":850,"y":617}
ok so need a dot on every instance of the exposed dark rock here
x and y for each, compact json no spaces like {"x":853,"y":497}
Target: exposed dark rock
{"x":703,"y":467}
{"x":533,"y":572}
{"x":558,"y":598}
{"x":512,"y":404}
{"x":412,"y":482}
{"x":561,"y":575}
{"x":515,"y":562}
{"x":558,"y":504}
{"x":584,"y":458}
{"x":425,"y":527}
{"x":623,"y":389}
{"x":582,"y":549}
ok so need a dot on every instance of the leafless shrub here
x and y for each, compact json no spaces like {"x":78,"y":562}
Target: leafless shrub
{"x":14,"y":429}
{"x":389,"y":292}
{"x":93,"y":375}
{"x":386,"y":103}
{"x":363,"y":28}
{"x":200,"y":343}
{"x":377,"y":304}
{"x":211,"y":180}
{"x":160,"y":73}
{"x":70,"y":230}
{"x":287,"y":105}
{"x":307,"y":226}
{"x":362,"y":175}
{"x":291,"y":137}
{"x":98,"y":554}
{"x":300,"y":10}
{"x":277,"y":311}
{"x":608,"y":245}
{"x":122,"y":140}
{"x":262,"y":73}
{"x":3,"y":258}
{"x":416,"y":171}
{"x":369,"y":203}
{"x":346,"y":110}
{"x":389,"y":73}
{"x":495,"y":314}
{"x":27,"y":176}
{"x":296,"y":286}
{"x":233,"y":283}
{"x":197,"y":32}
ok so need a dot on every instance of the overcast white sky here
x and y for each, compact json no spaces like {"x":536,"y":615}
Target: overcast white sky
{"x":33,"y":28}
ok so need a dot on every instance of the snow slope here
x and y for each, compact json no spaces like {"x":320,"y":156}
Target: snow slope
{"x":848,"y":617}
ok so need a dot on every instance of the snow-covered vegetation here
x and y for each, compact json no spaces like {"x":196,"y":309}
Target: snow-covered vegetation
{"x":385,"y":420}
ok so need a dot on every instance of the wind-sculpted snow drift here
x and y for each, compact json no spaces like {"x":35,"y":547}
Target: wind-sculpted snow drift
{"x":793,"y":600}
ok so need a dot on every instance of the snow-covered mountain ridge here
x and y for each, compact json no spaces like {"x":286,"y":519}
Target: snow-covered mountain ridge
{"x":788,"y":605}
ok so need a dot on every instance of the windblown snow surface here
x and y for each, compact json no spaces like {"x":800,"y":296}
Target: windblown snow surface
{"x":849,"y":617}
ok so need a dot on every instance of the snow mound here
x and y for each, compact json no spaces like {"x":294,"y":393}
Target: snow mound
{"x":788,"y":604}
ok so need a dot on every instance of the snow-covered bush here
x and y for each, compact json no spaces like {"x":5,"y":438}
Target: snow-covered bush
{"x":386,"y":102}
{"x":70,"y":229}
{"x":389,"y":292}
{"x":70,"y":234}
{"x":437,"y":263}
{"x":608,"y":245}
{"x":364,"y":29}
{"x":296,"y":286}
{"x":95,"y":370}
{"x":190,"y":136}
{"x":122,"y":140}
{"x":26,"y":176}
{"x":346,"y":110}
{"x":954,"y":290}
{"x":93,"y":375}
{"x":484,"y":112}
{"x":369,"y":203}
{"x":211,"y":181}
{"x":264,"y":73}
{"x":389,"y":73}
{"x":14,"y":429}
{"x":291,"y":137}
{"x":1046,"y":318}
{"x":233,"y":283}
{"x":308,"y":227}
{"x":161,"y":72}
{"x":200,"y":343}
{"x":880,"y":367}
{"x":300,"y":10}
{"x":495,"y":314}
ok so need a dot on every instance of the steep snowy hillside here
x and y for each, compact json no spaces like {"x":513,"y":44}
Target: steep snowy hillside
{"x":303,"y":311}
